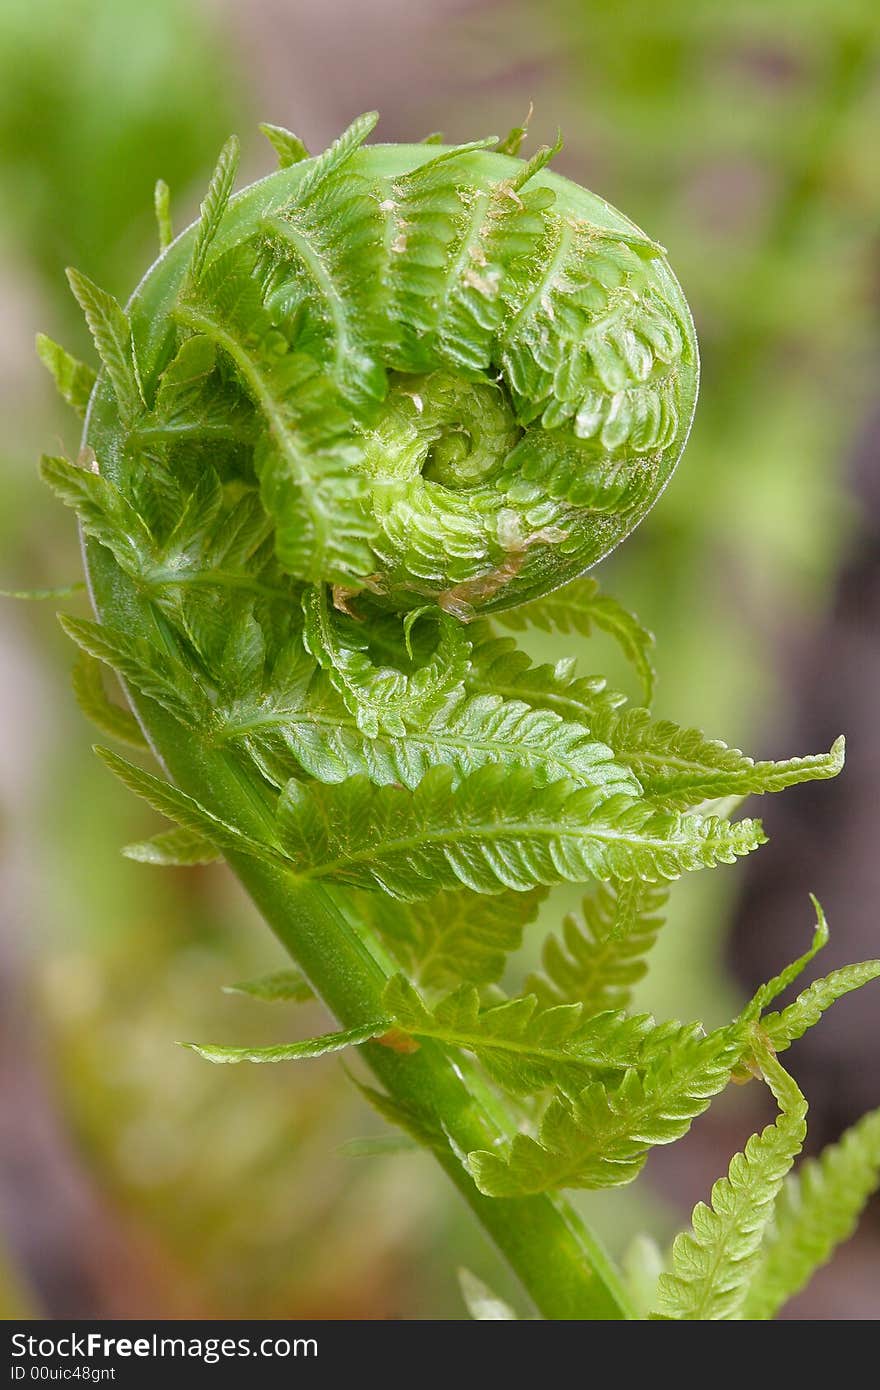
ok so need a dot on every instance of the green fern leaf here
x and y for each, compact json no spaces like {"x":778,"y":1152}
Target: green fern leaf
{"x":780,"y":983}
{"x":713,"y":1266}
{"x":333,"y":158}
{"x":102,"y":510}
{"x":679,"y":768}
{"x":157,"y":676}
{"x":453,"y":936}
{"x":291,"y":1052}
{"x":214,"y":206}
{"x":75,"y":381}
{"x":310,"y":728}
{"x":816,"y":1211}
{"x":111,"y":333}
{"x":600,"y":1137}
{"x":602,"y":953}
{"x":162,"y":208}
{"x":179,"y":848}
{"x":307,"y":464}
{"x":289,"y":986}
{"x":105,"y":714}
{"x":383,"y":698}
{"x":789,"y":1024}
{"x":495,"y":830}
{"x":288,"y":147}
{"x":169,"y":801}
{"x":580,"y":607}
{"x":523,"y":1048}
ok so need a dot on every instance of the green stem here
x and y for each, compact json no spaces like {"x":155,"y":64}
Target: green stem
{"x":560,"y":1263}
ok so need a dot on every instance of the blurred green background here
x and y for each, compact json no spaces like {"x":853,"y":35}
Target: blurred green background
{"x":135,"y":1180}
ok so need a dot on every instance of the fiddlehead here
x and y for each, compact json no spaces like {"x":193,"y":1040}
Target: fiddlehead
{"x":455,"y":376}
{"x":375,"y":395}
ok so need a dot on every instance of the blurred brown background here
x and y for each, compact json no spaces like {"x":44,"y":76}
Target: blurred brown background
{"x":136,"y":1180}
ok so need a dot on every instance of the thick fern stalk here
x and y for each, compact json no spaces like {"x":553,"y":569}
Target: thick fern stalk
{"x":373,"y":396}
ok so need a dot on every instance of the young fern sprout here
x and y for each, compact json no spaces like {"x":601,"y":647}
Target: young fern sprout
{"x":359,"y":416}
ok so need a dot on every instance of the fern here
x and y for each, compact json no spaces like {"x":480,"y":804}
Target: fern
{"x":453,"y":935}
{"x":581,"y":607}
{"x":105,"y":714}
{"x":288,"y":147}
{"x":110,"y":329}
{"x":522,"y":1048}
{"x":74,"y":380}
{"x":713,"y":1265}
{"x":789,"y":1024}
{"x":600,"y":1136}
{"x":602,"y":954}
{"x":816,"y":1211}
{"x":288,"y":986}
{"x":379,"y":399}
{"x":494,"y":831}
{"x":288,"y":1052}
{"x":678,"y":768}
{"x":214,"y":205}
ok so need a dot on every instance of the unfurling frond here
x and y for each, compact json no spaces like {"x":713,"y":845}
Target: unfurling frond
{"x":713,"y":1265}
{"x":350,"y":417}
{"x":816,"y":1211}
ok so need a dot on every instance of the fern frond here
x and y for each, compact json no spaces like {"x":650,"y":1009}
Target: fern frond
{"x":602,"y":953}
{"x":680,"y":767}
{"x":677,"y":768}
{"x":314,"y":731}
{"x":307,"y":462}
{"x":289,"y":986}
{"x":288,"y":147}
{"x":169,"y":683}
{"x":111,"y":333}
{"x":523,"y":1048}
{"x":103,"y":511}
{"x":108,"y":716}
{"x":333,"y":158}
{"x":383,"y":698}
{"x":580,"y":607}
{"x":601,"y":1136}
{"x":713,"y":1265}
{"x":74,"y":380}
{"x":495,"y":830}
{"x":291,"y":1052}
{"x":214,"y":206}
{"x":180,"y":848}
{"x":791,"y":1023}
{"x":453,"y":935}
{"x":769,"y":991}
{"x":816,"y":1211}
{"x":184,"y":810}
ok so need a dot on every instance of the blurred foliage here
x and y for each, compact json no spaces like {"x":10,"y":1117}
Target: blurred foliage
{"x":743,"y":137}
{"x":97,"y":101}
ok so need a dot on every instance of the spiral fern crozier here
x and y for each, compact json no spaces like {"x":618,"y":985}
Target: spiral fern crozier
{"x":459,"y":378}
{"x":374,"y":397}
